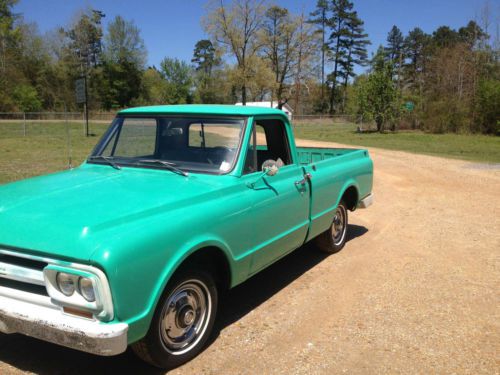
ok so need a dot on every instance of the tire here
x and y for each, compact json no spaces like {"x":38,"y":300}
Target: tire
{"x":182,"y":323}
{"x":334,"y":239}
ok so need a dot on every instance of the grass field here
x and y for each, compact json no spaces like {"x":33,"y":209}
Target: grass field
{"x":479,"y":148}
{"x":45,"y":148}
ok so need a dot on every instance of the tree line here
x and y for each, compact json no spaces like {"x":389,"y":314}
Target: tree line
{"x":446,"y":81}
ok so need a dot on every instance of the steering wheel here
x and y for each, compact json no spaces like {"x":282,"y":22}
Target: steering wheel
{"x":218,"y":150}
{"x":223,"y":148}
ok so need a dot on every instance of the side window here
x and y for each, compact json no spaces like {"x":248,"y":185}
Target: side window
{"x":137,"y":137}
{"x":272,"y":143}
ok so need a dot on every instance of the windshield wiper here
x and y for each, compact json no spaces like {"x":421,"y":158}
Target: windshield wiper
{"x":107,"y":159}
{"x":169,"y":165}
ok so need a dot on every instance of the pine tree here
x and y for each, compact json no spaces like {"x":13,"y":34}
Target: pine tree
{"x":395,"y":44}
{"x":395,"y":52}
{"x":347,"y":43}
{"x":416,"y":46}
{"x":86,"y":40}
{"x":341,"y":11}
{"x":355,"y":44}
{"x":204,"y":56}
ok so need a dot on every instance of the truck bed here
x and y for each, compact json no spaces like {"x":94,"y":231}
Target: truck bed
{"x":308,"y":155}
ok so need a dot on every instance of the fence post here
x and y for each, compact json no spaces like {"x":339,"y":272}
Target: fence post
{"x":68,"y":136}
{"x":24,"y":124}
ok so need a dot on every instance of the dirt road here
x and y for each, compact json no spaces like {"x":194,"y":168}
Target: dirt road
{"x":415,"y":290}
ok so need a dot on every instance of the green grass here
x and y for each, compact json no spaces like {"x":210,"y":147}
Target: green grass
{"x":44,"y":149}
{"x":479,"y":148}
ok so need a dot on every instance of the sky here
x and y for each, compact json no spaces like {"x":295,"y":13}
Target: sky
{"x":170,"y":28}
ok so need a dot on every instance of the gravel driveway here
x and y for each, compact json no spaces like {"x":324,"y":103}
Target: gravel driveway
{"x":415,"y":290}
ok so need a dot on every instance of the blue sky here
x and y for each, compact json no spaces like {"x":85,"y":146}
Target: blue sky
{"x":172,"y":27}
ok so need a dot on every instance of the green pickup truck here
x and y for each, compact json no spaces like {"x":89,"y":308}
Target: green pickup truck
{"x":174,"y":205}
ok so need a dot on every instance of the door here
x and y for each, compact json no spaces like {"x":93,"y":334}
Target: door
{"x":280,"y":203}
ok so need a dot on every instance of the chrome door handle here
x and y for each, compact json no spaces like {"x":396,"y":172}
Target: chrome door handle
{"x":307,"y":176}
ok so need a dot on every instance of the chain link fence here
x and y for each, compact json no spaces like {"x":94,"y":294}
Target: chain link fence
{"x":41,"y":142}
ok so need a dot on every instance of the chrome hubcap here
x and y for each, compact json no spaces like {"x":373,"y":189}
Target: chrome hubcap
{"x":339,"y":225}
{"x":185,"y":316}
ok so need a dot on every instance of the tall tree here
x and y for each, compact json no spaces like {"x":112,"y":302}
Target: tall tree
{"x":319,"y":18}
{"x":377,"y":95}
{"x":177,"y":74}
{"x":123,"y":42}
{"x":204,"y":56}
{"x":417,"y":52}
{"x":124,"y":56}
{"x":356,"y":53}
{"x":445,"y":37}
{"x":395,"y":52}
{"x":395,"y":44}
{"x":154,"y":88}
{"x":9,"y":38}
{"x":472,"y":34}
{"x":346,"y":32}
{"x":235,"y":28}
{"x":279,"y":41}
{"x":84,"y":52}
{"x":86,"y":40}
{"x":306,"y":47}
{"x":119,"y":84}
{"x":208,"y":77}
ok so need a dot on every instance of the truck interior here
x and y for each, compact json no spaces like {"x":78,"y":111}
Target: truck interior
{"x":270,"y":142}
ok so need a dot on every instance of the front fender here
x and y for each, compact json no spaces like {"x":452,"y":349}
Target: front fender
{"x":138,"y":285}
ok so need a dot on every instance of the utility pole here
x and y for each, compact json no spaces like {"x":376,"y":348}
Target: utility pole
{"x":81,"y":97}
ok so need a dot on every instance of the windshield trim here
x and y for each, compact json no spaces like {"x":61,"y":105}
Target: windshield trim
{"x":116,"y":126}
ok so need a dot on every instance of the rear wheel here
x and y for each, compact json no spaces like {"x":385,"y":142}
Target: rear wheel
{"x":182,"y":322}
{"x":334,"y":238}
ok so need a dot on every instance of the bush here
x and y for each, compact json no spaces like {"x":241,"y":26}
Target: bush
{"x":488,"y":107}
{"x":26,"y":98}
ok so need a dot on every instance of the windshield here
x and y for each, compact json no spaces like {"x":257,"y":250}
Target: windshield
{"x":206,"y":145}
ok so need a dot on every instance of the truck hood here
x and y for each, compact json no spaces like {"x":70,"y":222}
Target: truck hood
{"x":65,"y":214}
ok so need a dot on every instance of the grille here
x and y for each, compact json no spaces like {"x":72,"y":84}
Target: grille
{"x":20,"y":273}
{"x":25,"y":287}
{"x":23,"y":262}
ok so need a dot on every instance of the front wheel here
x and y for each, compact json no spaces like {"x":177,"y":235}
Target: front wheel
{"x":334,"y":238}
{"x":182,"y":322}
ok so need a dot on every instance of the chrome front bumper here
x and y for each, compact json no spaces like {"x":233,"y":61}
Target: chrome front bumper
{"x":51,"y":324}
{"x":366,"y":201}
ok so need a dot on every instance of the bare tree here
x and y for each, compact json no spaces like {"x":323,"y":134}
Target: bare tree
{"x":279,"y":41}
{"x":307,"y":45}
{"x":235,"y":27}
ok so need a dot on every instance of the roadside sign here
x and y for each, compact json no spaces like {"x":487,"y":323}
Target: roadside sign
{"x":80,"y":91}
{"x":410,"y":106}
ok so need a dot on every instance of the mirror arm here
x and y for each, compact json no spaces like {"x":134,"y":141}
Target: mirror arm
{"x":251,"y":185}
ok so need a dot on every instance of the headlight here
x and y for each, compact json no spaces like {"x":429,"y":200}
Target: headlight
{"x":81,"y":287}
{"x":66,"y":283}
{"x":86,"y":288}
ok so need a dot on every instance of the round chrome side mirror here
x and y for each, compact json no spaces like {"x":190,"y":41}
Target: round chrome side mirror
{"x":270,"y":167}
